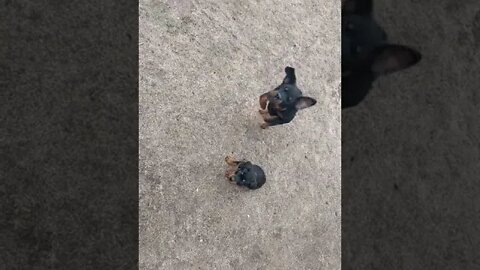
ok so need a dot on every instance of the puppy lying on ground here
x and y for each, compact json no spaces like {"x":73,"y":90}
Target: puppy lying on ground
{"x":283,"y":102}
{"x":244,"y":173}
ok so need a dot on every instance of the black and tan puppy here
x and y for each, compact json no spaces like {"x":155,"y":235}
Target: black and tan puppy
{"x":244,"y":173}
{"x":283,"y":102}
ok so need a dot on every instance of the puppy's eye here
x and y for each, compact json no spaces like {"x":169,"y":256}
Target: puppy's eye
{"x":286,"y":88}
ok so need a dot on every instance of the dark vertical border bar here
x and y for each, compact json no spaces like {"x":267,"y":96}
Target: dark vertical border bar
{"x":69,"y":134}
{"x":411,"y":151}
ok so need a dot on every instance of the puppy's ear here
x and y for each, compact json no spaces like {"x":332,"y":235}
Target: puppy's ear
{"x":290,"y":77}
{"x":304,"y":102}
{"x":357,"y":7}
{"x":391,"y":58}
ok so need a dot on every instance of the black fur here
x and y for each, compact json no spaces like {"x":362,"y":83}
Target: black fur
{"x":366,"y":54}
{"x":284,"y":101}
{"x":249,"y":175}
{"x":244,"y":173}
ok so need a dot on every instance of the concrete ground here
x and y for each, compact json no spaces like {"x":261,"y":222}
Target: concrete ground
{"x":410,"y":170}
{"x":203,"y":65}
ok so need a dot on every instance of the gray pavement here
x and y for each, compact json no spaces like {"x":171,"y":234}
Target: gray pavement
{"x":203,"y":65}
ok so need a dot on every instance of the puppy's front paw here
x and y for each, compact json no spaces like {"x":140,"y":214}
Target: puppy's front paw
{"x":229,"y":174}
{"x":229,"y":159}
{"x":264,"y":125}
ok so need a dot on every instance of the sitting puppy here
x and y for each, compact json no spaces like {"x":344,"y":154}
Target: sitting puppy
{"x":244,"y":173}
{"x":283,"y":102}
{"x":366,"y":55}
